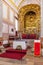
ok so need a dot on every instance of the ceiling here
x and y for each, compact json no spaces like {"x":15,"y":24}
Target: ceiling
{"x":16,"y":4}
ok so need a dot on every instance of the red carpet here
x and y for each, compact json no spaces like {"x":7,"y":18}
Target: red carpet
{"x":13,"y":54}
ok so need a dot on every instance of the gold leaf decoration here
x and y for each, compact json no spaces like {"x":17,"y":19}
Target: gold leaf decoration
{"x":29,"y":18}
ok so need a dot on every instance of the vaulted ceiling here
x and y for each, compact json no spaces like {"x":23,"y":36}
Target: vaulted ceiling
{"x":16,"y":4}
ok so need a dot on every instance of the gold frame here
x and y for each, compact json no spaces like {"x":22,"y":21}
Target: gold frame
{"x":31,"y":7}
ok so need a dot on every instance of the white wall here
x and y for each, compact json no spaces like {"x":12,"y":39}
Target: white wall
{"x":5,"y":10}
{"x":1,"y":19}
{"x":41,"y":18}
{"x":16,"y":25}
{"x":11,"y":15}
{"x":10,"y":31}
{"x":5,"y":28}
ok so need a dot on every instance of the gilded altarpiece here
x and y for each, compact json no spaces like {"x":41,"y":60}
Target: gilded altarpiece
{"x":29,"y":19}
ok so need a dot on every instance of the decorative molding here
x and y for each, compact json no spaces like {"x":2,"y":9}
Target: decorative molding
{"x":20,"y":3}
{"x":13,"y":4}
{"x":9,"y":6}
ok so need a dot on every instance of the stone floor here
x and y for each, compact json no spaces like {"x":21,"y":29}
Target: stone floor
{"x":27,"y":60}
{"x":15,"y":62}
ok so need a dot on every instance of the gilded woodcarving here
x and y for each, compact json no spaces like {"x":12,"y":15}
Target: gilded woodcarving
{"x":29,"y":19}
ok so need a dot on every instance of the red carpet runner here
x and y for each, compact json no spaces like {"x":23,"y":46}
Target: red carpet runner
{"x":14,"y":54}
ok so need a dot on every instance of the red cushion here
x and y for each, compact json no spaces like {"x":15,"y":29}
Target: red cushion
{"x":28,"y":36}
{"x":23,"y":36}
{"x":32,"y":36}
